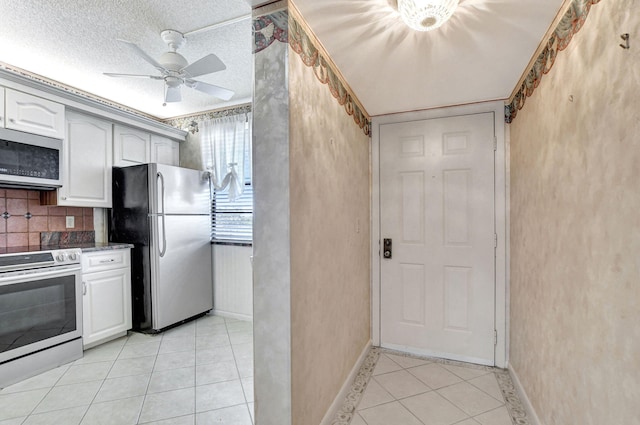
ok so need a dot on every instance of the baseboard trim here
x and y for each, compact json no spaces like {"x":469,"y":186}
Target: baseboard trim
{"x":531,"y":413}
{"x":231,"y":315}
{"x":346,"y":387}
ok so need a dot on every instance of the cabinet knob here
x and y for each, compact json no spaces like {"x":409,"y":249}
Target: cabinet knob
{"x":64,"y":198}
{"x":12,"y":120}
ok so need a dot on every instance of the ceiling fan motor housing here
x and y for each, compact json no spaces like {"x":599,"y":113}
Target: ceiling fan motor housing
{"x":173,"y":81}
{"x":173,"y":61}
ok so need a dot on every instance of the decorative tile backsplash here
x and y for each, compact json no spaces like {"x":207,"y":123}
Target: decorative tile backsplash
{"x":22,"y":218}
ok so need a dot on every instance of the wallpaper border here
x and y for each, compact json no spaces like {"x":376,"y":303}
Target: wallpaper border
{"x":307,"y":46}
{"x":190,"y":122}
{"x":571,"y":22}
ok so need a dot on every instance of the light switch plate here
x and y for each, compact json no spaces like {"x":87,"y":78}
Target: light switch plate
{"x":71,"y":222}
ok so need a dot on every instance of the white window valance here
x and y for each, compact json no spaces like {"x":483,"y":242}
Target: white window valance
{"x":226,"y":152}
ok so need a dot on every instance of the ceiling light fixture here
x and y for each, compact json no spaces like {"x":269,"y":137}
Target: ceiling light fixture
{"x":426,"y":15}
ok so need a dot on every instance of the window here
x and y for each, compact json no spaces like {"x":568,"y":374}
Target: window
{"x":226,"y":151}
{"x":232,"y":221}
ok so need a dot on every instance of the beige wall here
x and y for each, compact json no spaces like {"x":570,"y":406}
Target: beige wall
{"x":330,"y":289}
{"x":575,"y":229}
{"x":190,"y":152}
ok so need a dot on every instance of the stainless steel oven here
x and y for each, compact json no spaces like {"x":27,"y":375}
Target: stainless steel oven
{"x":40,"y":312}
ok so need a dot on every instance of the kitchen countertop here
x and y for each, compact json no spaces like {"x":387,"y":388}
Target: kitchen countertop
{"x":95,"y":246}
{"x":85,"y":247}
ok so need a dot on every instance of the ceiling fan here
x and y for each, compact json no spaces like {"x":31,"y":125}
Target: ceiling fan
{"x":176,"y":71}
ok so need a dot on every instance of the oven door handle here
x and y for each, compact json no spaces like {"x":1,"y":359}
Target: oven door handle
{"x":9,"y":277}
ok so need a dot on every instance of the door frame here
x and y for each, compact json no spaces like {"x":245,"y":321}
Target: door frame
{"x":501,"y":214}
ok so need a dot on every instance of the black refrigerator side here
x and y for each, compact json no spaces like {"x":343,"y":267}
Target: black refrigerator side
{"x":129,"y":223}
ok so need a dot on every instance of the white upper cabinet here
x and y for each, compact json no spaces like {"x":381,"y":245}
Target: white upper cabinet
{"x":87,"y":162}
{"x":130,"y":146}
{"x":32,"y":114}
{"x":164,"y":151}
{"x":1,"y":106}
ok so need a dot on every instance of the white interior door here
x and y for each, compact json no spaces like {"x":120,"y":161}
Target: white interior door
{"x":437,"y":291}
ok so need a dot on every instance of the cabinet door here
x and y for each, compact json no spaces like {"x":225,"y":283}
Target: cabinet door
{"x":1,"y":106}
{"x":106,"y":305}
{"x":164,"y":151}
{"x":33,"y":114}
{"x":130,"y":146}
{"x":87,"y":162}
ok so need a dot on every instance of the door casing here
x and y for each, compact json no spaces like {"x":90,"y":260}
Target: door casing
{"x":501,"y":215}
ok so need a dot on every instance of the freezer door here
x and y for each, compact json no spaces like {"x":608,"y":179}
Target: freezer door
{"x":185,"y":191}
{"x":182,"y":284}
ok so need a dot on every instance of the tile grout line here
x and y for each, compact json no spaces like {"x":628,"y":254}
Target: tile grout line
{"x":144,"y":399}
{"x":509,"y":402}
{"x":233,"y":352}
{"x":45,"y":396}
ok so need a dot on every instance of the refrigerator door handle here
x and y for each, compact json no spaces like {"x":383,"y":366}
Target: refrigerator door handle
{"x":160,"y":179}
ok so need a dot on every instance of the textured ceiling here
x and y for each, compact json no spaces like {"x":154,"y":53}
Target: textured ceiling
{"x":478,"y":55}
{"x":74,"y":41}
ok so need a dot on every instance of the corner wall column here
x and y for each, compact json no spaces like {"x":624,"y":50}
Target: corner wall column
{"x":271,"y":236}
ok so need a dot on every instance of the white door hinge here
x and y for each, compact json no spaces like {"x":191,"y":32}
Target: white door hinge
{"x":495,"y":337}
{"x":495,"y":143}
{"x":495,"y":240}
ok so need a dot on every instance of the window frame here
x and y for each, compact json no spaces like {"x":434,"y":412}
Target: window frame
{"x":214,"y":212}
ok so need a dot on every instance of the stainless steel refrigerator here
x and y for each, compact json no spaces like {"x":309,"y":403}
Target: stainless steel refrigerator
{"x":164,"y":211}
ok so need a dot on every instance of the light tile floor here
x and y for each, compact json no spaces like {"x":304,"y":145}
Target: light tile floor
{"x":198,"y":373}
{"x":400,"y":389}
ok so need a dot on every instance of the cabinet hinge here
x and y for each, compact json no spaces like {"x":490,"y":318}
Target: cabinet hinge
{"x":495,"y":337}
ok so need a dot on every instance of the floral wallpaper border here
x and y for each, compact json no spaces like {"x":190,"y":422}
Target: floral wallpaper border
{"x":570,"y":24}
{"x":190,"y":122}
{"x":305,"y":46}
{"x":269,"y":28}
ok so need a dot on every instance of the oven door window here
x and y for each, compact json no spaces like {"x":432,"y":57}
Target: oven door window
{"x":35,"y":311}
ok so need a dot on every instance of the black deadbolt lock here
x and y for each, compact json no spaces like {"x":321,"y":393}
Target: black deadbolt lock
{"x":387,"y":250}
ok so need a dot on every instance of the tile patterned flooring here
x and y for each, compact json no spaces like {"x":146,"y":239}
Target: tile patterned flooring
{"x":202,"y":373}
{"x":400,"y":389}
{"x":198,"y":373}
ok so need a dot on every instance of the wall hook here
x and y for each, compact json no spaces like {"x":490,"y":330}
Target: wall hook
{"x":625,"y":38}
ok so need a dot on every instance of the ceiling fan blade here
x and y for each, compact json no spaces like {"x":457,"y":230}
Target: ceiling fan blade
{"x":113,"y":74}
{"x":210,"y":89}
{"x":138,"y":51}
{"x":206,"y":65}
{"x":173,"y":94}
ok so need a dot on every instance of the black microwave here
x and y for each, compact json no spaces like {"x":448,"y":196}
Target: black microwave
{"x":29,"y":161}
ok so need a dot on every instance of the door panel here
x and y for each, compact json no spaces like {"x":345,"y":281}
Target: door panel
{"x":437,"y":204}
{"x":183,"y":281}
{"x":178,"y":200}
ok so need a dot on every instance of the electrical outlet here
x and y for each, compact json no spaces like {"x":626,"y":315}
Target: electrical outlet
{"x":71,"y":222}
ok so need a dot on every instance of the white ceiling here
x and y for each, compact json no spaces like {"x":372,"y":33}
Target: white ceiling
{"x":74,"y":42}
{"x":478,"y":55}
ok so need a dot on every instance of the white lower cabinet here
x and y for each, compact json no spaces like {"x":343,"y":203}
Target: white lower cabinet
{"x":106,"y":280}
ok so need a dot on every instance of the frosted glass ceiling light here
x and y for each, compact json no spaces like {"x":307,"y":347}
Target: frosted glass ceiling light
{"x":426,"y":15}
